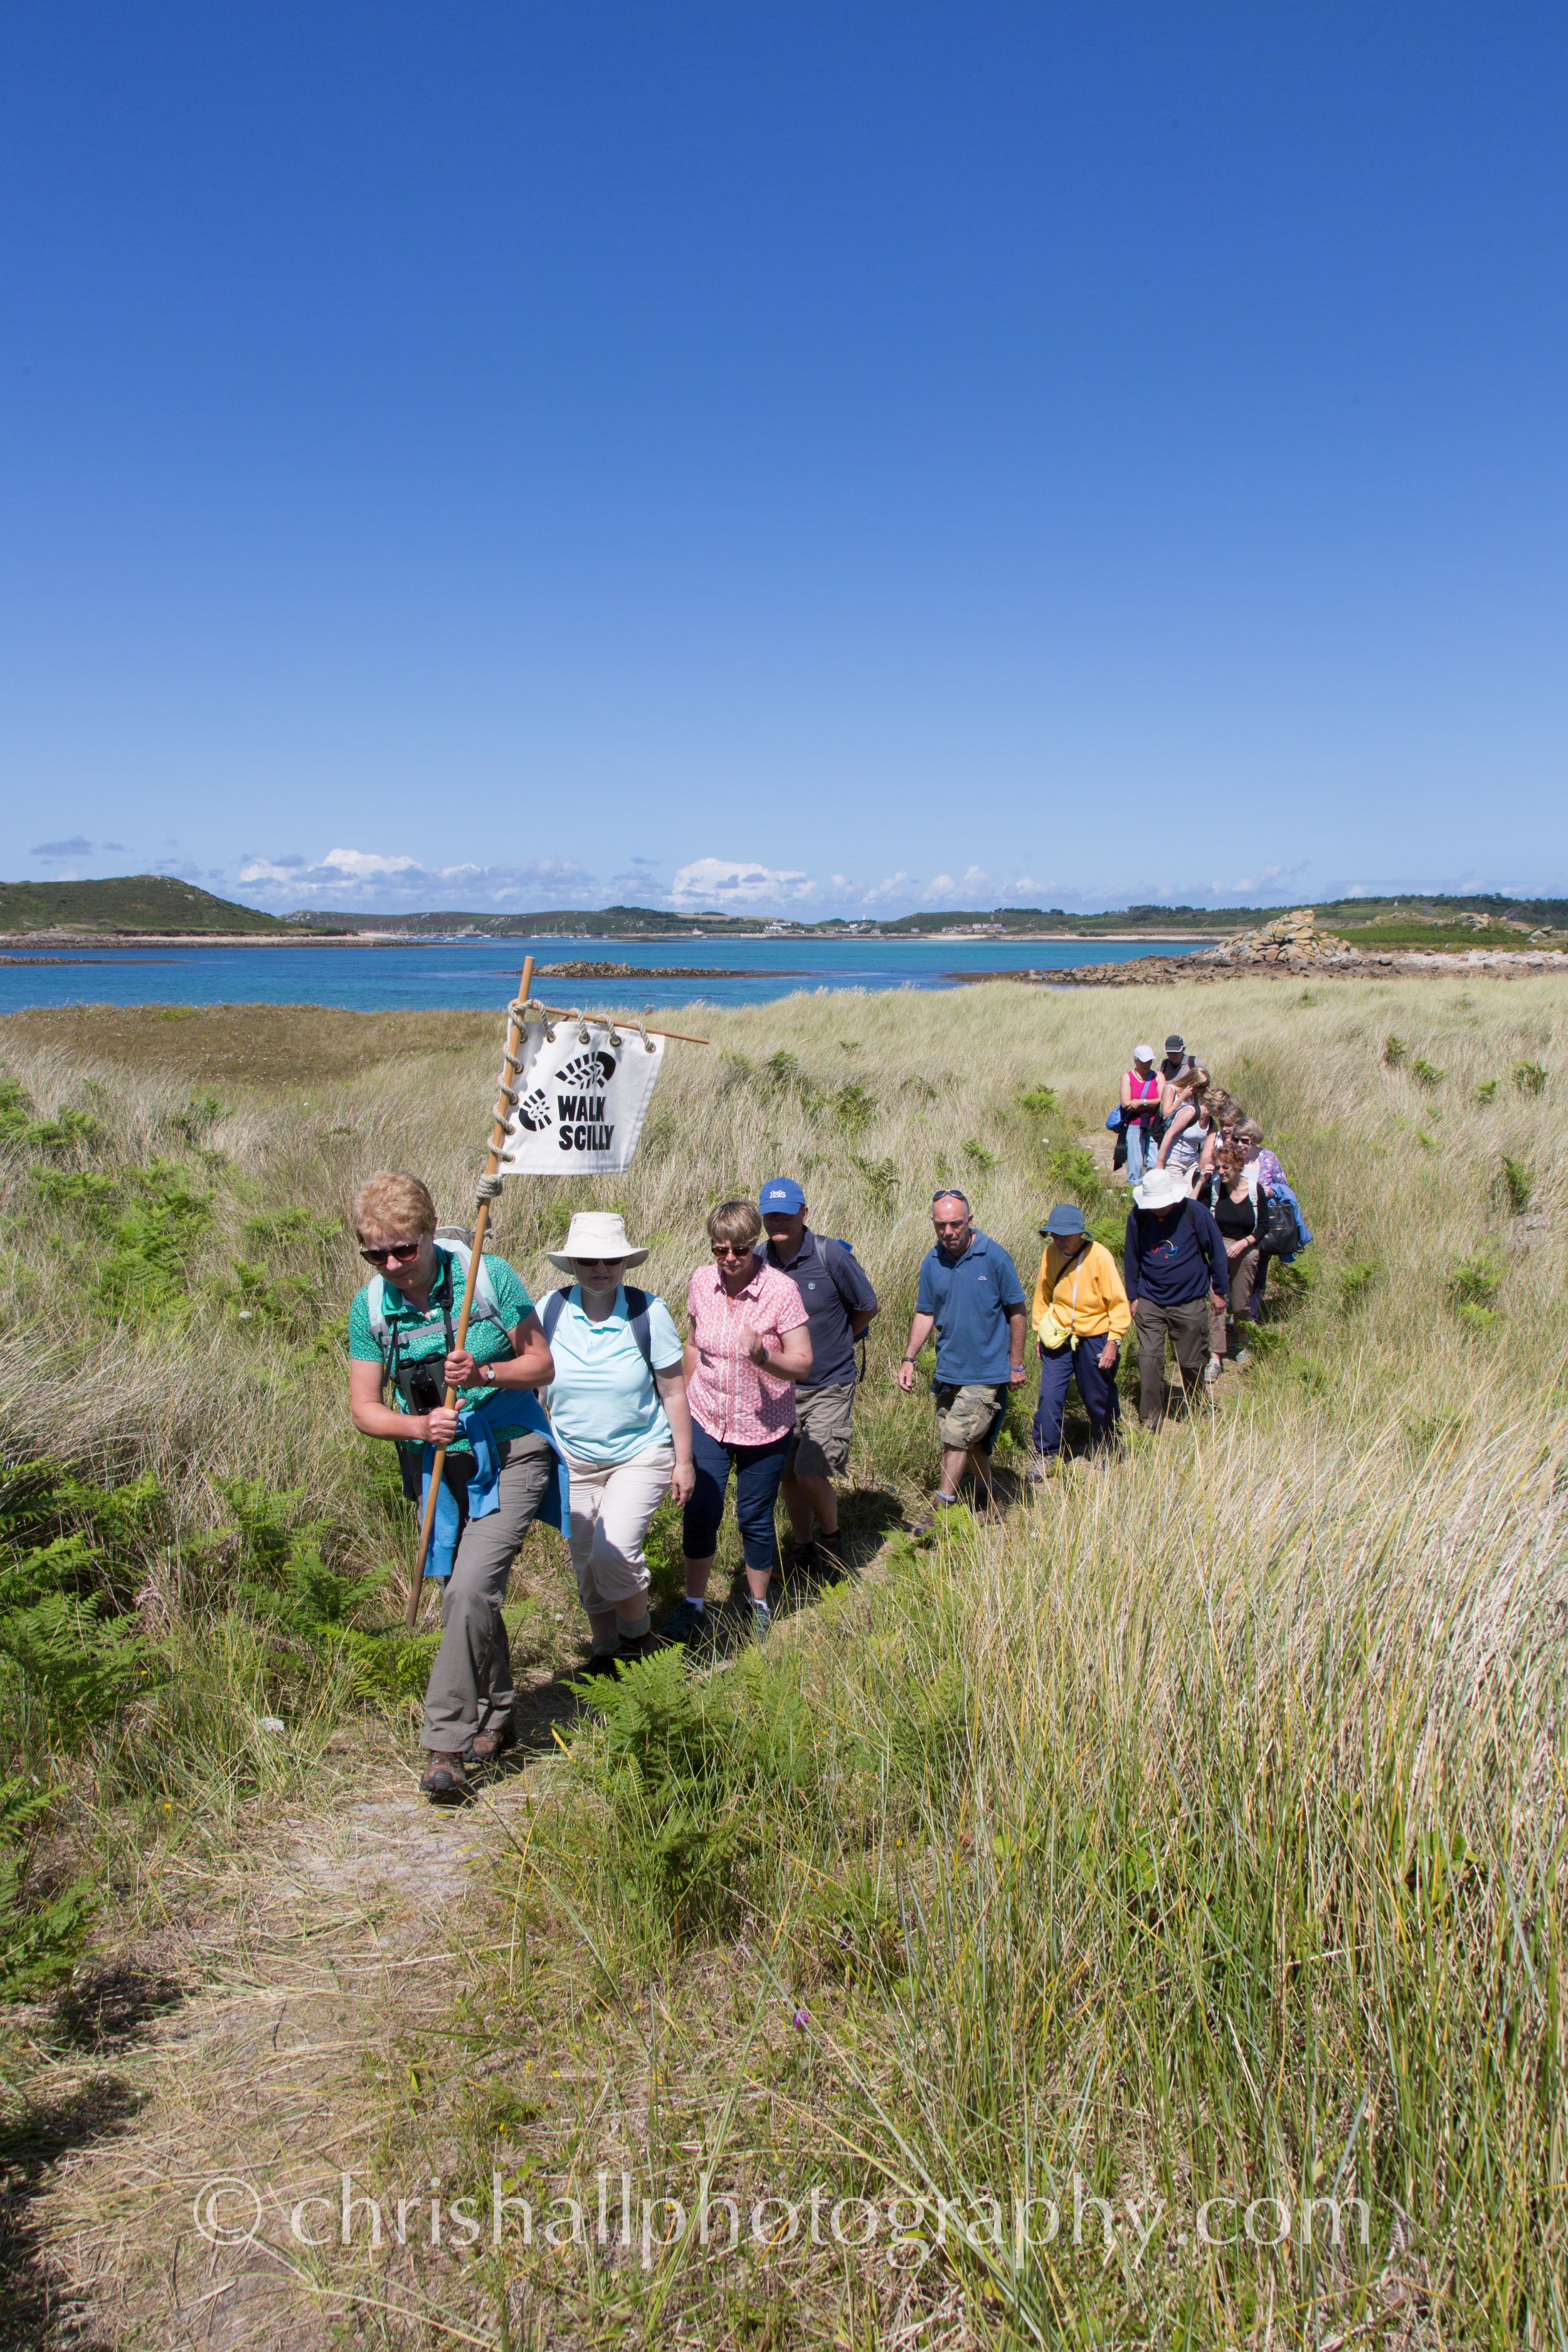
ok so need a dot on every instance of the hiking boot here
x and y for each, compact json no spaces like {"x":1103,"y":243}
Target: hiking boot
{"x":688,"y":1625}
{"x":444,"y":1781}
{"x":636,"y":1647}
{"x":801,"y":1558}
{"x":487,"y":1745}
{"x":602,"y":1662}
{"x":1038,"y":1469}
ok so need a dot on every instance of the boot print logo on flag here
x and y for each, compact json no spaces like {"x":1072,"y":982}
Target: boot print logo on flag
{"x":580,"y":1108}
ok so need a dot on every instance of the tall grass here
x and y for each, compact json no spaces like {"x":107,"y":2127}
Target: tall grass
{"x":1197,"y":1835}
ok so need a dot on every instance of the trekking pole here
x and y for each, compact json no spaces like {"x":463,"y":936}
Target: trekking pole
{"x":490,"y":1187}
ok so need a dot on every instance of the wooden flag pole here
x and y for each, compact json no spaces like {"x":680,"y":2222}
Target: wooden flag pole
{"x":510,"y":1062}
{"x":620,"y":1021}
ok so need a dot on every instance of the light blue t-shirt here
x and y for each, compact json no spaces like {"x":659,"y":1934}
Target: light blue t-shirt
{"x":603,"y":1402}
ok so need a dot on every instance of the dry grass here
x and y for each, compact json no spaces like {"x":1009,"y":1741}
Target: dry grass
{"x":1199,"y":1833}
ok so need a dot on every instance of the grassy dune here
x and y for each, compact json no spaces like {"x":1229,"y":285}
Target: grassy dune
{"x":1193,"y":1840}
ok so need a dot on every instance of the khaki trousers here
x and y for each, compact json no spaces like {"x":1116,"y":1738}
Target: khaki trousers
{"x":470,"y":1682}
{"x":612,"y":1504}
{"x":1188,"y":1325}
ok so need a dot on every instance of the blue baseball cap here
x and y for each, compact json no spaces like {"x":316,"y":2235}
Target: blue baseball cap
{"x":781,"y":1197}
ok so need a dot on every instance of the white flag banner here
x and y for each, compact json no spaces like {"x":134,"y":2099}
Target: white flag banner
{"x":580,"y":1108}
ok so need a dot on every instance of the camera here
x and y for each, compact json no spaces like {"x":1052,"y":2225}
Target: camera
{"x":422,"y":1390}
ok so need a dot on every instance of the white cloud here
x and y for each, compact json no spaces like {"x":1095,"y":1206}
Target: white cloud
{"x":892,"y":886}
{"x":724,"y":882}
{"x":363,"y":863}
{"x":367,"y":881}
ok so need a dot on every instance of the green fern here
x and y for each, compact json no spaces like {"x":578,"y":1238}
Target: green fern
{"x":40,"y":1934}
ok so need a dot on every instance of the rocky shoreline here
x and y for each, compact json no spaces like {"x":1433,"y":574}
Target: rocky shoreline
{"x":1290,"y":948}
{"x":652,"y":971}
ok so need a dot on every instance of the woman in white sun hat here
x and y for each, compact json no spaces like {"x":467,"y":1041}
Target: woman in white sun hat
{"x":618,"y":1404}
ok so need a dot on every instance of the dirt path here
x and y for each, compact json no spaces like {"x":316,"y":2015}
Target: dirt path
{"x":229,"y":2068}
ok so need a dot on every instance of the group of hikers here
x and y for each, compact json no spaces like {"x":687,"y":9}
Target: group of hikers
{"x":588,"y":1411}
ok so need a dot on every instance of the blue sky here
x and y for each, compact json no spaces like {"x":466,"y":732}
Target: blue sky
{"x":793,"y":457}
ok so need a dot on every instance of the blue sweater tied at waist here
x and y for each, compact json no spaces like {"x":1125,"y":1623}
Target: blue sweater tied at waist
{"x":477,"y":1424}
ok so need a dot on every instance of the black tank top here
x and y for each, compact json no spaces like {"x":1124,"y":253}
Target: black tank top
{"x":1235,"y":1218}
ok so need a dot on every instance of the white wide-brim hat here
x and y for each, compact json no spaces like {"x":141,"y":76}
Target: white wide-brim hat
{"x":595,"y":1232}
{"x":1162,"y":1188}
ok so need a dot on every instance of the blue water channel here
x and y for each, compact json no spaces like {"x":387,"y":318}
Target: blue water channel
{"x":483,"y":973}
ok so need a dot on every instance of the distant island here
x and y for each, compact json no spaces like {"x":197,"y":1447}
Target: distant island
{"x":156,"y":908}
{"x":654,"y":972}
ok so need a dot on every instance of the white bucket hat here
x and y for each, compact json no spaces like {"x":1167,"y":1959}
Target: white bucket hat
{"x":595,"y":1232}
{"x":1162,"y":1188}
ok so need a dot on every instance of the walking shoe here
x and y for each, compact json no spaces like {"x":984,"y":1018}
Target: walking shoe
{"x":761,"y":1621}
{"x":801,"y":1558}
{"x":602,"y":1662}
{"x":929,"y":1517}
{"x":1243,"y":1359}
{"x":636,"y":1647}
{"x":688,"y":1625}
{"x":1212,"y":1373}
{"x":487,"y":1745}
{"x":1037,"y":1468}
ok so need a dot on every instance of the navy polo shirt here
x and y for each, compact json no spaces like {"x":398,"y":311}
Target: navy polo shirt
{"x":970,"y":1297}
{"x":829,"y":1301}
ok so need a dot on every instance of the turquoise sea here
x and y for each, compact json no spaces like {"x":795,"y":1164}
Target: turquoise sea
{"x":477,"y":973}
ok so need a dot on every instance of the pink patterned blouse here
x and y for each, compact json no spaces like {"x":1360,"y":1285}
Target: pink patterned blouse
{"x":735,"y":1402}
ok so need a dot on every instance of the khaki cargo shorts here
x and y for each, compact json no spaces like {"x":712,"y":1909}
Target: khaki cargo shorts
{"x":823,"y":1427}
{"x":970,"y":1415}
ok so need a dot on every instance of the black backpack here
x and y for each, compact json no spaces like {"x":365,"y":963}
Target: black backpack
{"x":637,"y":1304}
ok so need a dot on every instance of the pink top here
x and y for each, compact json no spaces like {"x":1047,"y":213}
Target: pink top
{"x":736,"y":1403}
{"x":1140,"y":1088}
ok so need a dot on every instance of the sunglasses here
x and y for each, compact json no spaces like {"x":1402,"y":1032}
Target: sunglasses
{"x":601,"y":1261}
{"x":394,"y":1252}
{"x":733,"y":1249}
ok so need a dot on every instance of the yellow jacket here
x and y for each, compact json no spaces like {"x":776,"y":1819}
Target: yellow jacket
{"x":1082,"y":1298}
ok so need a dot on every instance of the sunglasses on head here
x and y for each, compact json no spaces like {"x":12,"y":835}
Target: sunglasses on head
{"x":394,"y":1250}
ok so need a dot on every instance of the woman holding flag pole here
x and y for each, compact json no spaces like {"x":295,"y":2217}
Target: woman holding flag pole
{"x":481,"y":1455}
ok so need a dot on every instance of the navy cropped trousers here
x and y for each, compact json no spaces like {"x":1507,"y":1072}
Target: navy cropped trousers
{"x":759,"y":1472}
{"x":1080,"y":1362}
